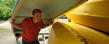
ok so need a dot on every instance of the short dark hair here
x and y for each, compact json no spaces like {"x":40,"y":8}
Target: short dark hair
{"x":35,"y":11}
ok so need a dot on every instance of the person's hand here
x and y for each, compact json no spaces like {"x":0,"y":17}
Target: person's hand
{"x":50,"y":22}
{"x":12,"y":21}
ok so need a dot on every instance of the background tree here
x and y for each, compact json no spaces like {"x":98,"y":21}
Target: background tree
{"x":6,"y":7}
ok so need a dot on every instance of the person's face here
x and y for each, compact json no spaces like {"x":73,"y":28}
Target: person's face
{"x":37,"y":15}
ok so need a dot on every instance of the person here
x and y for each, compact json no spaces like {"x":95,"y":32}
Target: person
{"x":32,"y":27}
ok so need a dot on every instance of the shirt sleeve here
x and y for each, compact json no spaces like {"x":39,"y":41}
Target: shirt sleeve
{"x":23,"y":24}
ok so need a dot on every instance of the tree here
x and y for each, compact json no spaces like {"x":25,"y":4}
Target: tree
{"x":6,"y":8}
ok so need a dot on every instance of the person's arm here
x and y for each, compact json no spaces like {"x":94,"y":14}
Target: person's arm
{"x":18,"y":26}
{"x":48,"y":24}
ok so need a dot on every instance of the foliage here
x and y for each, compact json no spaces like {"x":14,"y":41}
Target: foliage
{"x":6,"y":7}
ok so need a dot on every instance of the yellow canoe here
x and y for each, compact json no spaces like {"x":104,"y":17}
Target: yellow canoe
{"x":93,"y":13}
{"x":66,"y":33}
